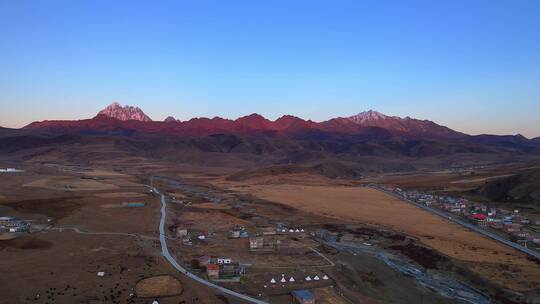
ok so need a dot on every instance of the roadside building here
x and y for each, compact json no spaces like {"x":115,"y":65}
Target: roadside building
{"x":496,"y":224}
{"x":303,"y":296}
{"x":232,"y":270}
{"x":521,"y":234}
{"x":507,"y":220}
{"x":212,"y":270}
{"x":510,"y":229}
{"x":479,"y":219}
{"x":513,"y":227}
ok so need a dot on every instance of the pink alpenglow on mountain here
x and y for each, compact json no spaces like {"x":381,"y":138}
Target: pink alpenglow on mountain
{"x":394,"y":123}
{"x":368,"y":117}
{"x":132,"y":118}
{"x":115,"y":110}
{"x":170,"y":119}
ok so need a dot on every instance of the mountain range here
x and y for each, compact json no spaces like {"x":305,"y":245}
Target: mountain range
{"x":342,"y":146}
{"x":127,"y":120}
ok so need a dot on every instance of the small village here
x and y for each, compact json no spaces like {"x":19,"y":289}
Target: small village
{"x":258,"y":243}
{"x":516,"y":225}
{"x":10,"y":227}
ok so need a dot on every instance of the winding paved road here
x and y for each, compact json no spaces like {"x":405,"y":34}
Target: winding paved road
{"x":167,"y":255}
{"x":491,"y":235}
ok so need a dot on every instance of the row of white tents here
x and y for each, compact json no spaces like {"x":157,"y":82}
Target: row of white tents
{"x":292,"y":230}
{"x":292,"y":279}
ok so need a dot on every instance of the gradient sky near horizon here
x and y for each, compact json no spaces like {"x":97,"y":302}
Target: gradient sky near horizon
{"x":468,"y":64}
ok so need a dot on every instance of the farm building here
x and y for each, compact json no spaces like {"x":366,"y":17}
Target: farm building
{"x":181,"y":231}
{"x":303,"y":296}
{"x":221,"y":261}
{"x":256,"y":242}
{"x":268,"y":231}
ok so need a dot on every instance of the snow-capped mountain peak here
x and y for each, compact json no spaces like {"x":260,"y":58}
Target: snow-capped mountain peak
{"x":367,"y":116}
{"x":117,"y":111}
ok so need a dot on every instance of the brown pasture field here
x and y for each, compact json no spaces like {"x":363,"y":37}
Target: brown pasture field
{"x":60,"y":266}
{"x":328,"y":295}
{"x":158,"y":286}
{"x":70,"y":183}
{"x":366,"y":205}
{"x":119,"y":195}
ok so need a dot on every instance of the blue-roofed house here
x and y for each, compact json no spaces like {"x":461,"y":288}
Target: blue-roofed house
{"x":303,"y":296}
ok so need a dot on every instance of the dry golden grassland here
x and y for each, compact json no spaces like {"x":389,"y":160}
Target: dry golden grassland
{"x":366,"y":205}
{"x":159,"y":286}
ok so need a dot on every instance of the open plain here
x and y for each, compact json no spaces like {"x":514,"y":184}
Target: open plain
{"x":98,"y":219}
{"x":502,"y":264}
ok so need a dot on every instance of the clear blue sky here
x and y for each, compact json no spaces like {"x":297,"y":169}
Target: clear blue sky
{"x":471,"y":65}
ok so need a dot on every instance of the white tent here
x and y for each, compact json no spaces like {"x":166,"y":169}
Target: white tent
{"x":291,"y":230}
{"x":291,"y":279}
{"x":283,"y":280}
{"x":325,"y":277}
{"x":308,"y":278}
{"x":273,"y":281}
{"x":302,"y":230}
{"x":316,"y":278}
{"x":155,"y":302}
{"x":297,"y":230}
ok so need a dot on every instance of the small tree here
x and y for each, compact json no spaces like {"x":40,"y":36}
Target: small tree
{"x":195,"y":264}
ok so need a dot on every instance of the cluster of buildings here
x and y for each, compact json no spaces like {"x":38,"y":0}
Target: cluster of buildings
{"x":280,"y":228}
{"x":12,"y":225}
{"x":519,"y":227}
{"x":263,"y":240}
{"x":221,"y":268}
{"x":10,"y":170}
{"x":185,"y":236}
